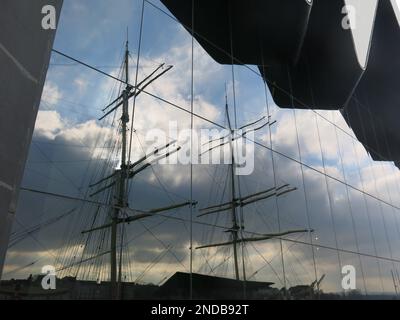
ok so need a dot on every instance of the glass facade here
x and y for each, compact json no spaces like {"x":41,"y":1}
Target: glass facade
{"x":343,"y":209}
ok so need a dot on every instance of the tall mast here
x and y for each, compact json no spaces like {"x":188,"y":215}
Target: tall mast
{"x":118,"y":180}
{"x":122,"y":177}
{"x":243,"y":201}
{"x":235,"y":227}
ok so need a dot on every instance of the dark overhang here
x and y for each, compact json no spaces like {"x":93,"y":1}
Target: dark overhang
{"x":374,"y":111}
{"x":309,"y":59}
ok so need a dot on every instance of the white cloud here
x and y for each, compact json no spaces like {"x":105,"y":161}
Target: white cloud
{"x":81,"y":84}
{"x":51,"y":95}
{"x":48,"y":123}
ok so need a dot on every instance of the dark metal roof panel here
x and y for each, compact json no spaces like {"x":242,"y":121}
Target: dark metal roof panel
{"x":374,"y":111}
{"x":260,"y":30}
{"x":328,"y":69}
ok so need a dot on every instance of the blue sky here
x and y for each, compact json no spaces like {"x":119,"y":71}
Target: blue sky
{"x":95,"y":32}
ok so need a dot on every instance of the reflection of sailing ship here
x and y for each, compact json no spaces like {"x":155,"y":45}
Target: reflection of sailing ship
{"x":118,"y":183}
{"x":115,"y":186}
{"x":239,"y":202}
{"x":119,"y":179}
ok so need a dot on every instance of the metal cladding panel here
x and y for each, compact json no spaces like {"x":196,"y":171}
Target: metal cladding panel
{"x":301,"y":47}
{"x":25,"y":49}
{"x":327,"y":71}
{"x":374,"y":111}
{"x":262,"y":32}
